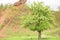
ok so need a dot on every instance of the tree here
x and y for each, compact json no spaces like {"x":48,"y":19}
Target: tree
{"x":40,"y":18}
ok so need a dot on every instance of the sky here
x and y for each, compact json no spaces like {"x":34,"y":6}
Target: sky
{"x":53,"y":4}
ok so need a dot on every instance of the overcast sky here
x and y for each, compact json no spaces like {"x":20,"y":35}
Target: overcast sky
{"x":54,"y":4}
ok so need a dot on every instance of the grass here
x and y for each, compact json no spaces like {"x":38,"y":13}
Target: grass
{"x":54,"y":31}
{"x":29,"y":38}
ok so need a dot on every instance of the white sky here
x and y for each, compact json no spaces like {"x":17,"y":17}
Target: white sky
{"x":54,"y":4}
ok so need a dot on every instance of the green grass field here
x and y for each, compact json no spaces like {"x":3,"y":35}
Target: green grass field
{"x":30,"y":38}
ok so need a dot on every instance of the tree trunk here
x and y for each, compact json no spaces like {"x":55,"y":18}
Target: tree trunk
{"x":39,"y":35}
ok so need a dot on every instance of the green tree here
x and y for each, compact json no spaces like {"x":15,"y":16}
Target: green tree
{"x":40,"y":18}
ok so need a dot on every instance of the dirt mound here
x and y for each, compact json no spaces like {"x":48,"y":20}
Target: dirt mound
{"x":10,"y":19}
{"x":3,"y":35}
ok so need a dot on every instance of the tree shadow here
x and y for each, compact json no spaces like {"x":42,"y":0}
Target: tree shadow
{"x":45,"y":38}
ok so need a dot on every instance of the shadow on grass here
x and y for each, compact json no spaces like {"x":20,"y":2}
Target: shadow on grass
{"x":36,"y":39}
{"x":45,"y":38}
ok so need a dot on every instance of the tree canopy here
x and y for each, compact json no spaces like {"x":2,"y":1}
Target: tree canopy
{"x":40,"y":18}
